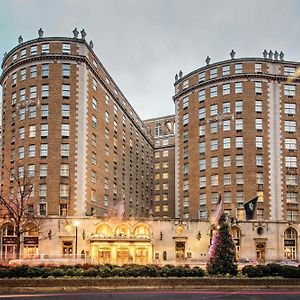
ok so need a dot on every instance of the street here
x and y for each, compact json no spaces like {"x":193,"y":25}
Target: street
{"x":182,"y":295}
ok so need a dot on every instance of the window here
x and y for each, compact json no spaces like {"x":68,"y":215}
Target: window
{"x":202,"y":199}
{"x":44,"y":150}
{"x":33,"y":71}
{"x":94,"y":121}
{"x":43,"y":170}
{"x":45,"y":91}
{"x":202,"y":113}
{"x":289,"y":71}
{"x":214,"y":181}
{"x":94,"y":158}
{"x":258,"y":68}
{"x":226,"y":161}
{"x":166,"y":175}
{"x":239,"y":106}
{"x":227,"y":179}
{"x":213,"y":91}
{"x":14,"y":79}
{"x":31,"y":150}
{"x":66,"y":70}
{"x":32,"y":131}
{"x":238,"y":87}
{"x":290,"y":108}
{"x":239,"y":142}
{"x":291,"y":162}
{"x":292,"y":215}
{"x":226,"y":125}
{"x":259,"y":160}
{"x":186,"y":151}
{"x":33,"y":50}
{"x":258,"y":106}
{"x":258,"y":87}
{"x":214,"y":162}
{"x":227,"y":197}
{"x":23,"y":53}
{"x":22,"y":74}
{"x":66,"y":91}
{"x":185,"y":120}
{"x":260,"y":214}
{"x":226,"y":107}
{"x":65,"y":130}
{"x":185,"y":102}
{"x":22,"y":114}
{"x":32,"y":92}
{"x":291,"y":144}
{"x":44,"y":130}
{"x":185,"y":185}
{"x":185,"y":84}
{"x":201,"y":76}
{"x":22,"y":95}
{"x":21,"y":133}
{"x":213,"y":110}
{"x":95,"y":84}
{"x":258,"y":124}
{"x":226,"y":89}
{"x":239,"y":124}
{"x":201,"y":95}
{"x":64,"y":170}
{"x":106,"y":166}
{"x":226,"y":143}
{"x":185,"y":136}
{"x":214,"y":127}
{"x":290,"y":126}
{"x":239,"y":178}
{"x":213,"y":145}
{"x":94,"y":104}
{"x":64,"y":191}
{"x":64,"y":150}
{"x":65,"y":111}
{"x":239,"y":160}
{"x":259,"y":178}
{"x":259,"y":142}
{"x":106,"y":117}
{"x":202,"y":181}
{"x":43,"y":190}
{"x":291,"y":180}
{"x":42,"y":209}
{"x":292,"y":197}
{"x":226,"y":70}
{"x":94,"y":177}
{"x":45,"y":48}
{"x":202,"y":164}
{"x":213,"y":73}
{"x":106,"y":131}
{"x":289,"y":90}
{"x":32,"y":112}
{"x":31,"y":170}
{"x":201,"y":130}
{"x":45,"y":70}
{"x":94,"y":140}
{"x":63,"y":209}
{"x":185,"y":168}
{"x":66,"y":49}
{"x":238,"y":68}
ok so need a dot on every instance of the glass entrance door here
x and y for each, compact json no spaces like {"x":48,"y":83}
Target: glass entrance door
{"x":261,"y":252}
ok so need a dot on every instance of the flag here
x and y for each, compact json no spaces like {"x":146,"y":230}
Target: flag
{"x":218,"y":211}
{"x":250,"y":208}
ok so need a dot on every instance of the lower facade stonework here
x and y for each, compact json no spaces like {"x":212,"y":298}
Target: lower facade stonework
{"x":145,"y":241}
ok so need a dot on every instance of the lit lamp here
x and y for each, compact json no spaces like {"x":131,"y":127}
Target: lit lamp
{"x":76,"y":224}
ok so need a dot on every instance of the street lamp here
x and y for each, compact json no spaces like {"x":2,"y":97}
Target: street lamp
{"x":76,"y":224}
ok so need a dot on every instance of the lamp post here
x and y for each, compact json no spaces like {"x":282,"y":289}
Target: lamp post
{"x":76,"y":224}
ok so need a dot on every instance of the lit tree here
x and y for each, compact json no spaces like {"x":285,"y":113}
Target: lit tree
{"x":222,"y":256}
{"x":19,"y":208}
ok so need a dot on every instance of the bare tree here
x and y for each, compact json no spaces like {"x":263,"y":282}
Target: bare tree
{"x":19,"y":207}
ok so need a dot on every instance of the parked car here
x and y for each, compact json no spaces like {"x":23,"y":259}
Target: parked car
{"x":287,"y":262}
{"x":242,"y":262}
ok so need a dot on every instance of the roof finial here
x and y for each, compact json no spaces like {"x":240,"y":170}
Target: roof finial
{"x":75,"y":33}
{"x":180,"y":74}
{"x":281,"y":55}
{"x":270,"y":54}
{"x":276,"y":54}
{"x":176,"y":77}
{"x":40,"y":33}
{"x":83,"y":34}
{"x":265,"y":54}
{"x":20,"y":40}
{"x":91,"y":44}
{"x":232,"y":54}
{"x":207,"y":60}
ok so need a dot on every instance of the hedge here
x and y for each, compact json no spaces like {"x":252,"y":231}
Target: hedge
{"x":103,"y":271}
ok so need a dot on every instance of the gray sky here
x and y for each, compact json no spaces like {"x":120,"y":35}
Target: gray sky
{"x":143,"y":43}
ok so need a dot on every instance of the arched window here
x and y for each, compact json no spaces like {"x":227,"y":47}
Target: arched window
{"x":236,"y":236}
{"x":104,"y":230}
{"x":290,"y":243}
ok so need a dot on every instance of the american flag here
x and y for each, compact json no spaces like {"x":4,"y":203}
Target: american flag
{"x":218,"y":211}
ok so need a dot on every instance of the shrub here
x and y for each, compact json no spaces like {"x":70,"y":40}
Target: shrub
{"x":252,"y":271}
{"x":290,"y":272}
{"x":264,"y":270}
{"x":275,"y":269}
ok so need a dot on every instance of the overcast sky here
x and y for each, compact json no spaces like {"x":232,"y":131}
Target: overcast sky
{"x":144,"y":43}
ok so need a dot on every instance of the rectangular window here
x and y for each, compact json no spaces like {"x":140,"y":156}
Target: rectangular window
{"x":258,"y":124}
{"x":259,"y":178}
{"x":201,"y":95}
{"x":185,"y":102}
{"x":14,"y":79}
{"x":32,"y":92}
{"x":213,"y":145}
{"x":289,"y":71}
{"x":226,"y":143}
{"x":64,"y":170}
{"x":64,"y":150}
{"x":289,"y":90}
{"x":239,"y":178}
{"x":214,"y":127}
{"x":239,"y":124}
{"x":201,"y":76}
{"x":65,"y":130}
{"x":201,"y":113}
{"x":44,"y":110}
{"x":45,"y":48}
{"x":106,"y":117}
{"x":238,"y":68}
{"x":185,"y":168}
{"x":31,"y":170}
{"x":23,"y":53}
{"x":292,"y":197}
{"x":290,"y":108}
{"x":14,"y":98}
{"x":214,"y":181}
{"x":21,"y":133}
{"x":45,"y":91}
{"x":185,"y":84}
{"x":44,"y":150}
{"x":65,"y":111}
{"x":226,"y":70}
{"x":22,"y":74}
{"x":66,"y":49}
{"x":94,"y":104}
{"x":226,"y":125}
{"x":33,"y":71}
{"x":259,"y":142}
{"x":258,"y":106}
{"x":45,"y":70}
{"x":66,"y":70}
{"x":44,"y":130}
{"x":95,"y":84}
{"x":66,"y":91}
{"x":43,"y":170}
{"x":32,"y":131}
{"x":213,"y":91}
{"x":238,"y":87}
{"x":22,"y":94}
{"x":259,"y":160}
{"x":202,"y":164}
{"x":202,"y":181}
{"x":258,"y":68}
{"x":291,"y":162}
{"x":64,"y":191}
{"x":291,"y":180}
{"x":43,"y":191}
{"x":290,"y":126}
{"x":239,"y":106}
{"x":227,"y":180}
{"x":239,"y":160}
{"x":33,"y":50}
{"x":63,"y":209}
{"x":213,"y":110}
{"x":226,"y":89}
{"x":22,"y":114}
{"x":21,"y":152}
{"x":213,"y":73}
{"x":291,"y":144}
{"x":226,"y":161}
{"x":201,"y":130}
{"x":185,"y":120}
{"x":214,"y":162}
{"x":226,"y":107}
{"x":239,"y":142}
{"x":32,"y":112}
{"x":292,"y":215}
{"x":258,"y":87}
{"x":94,"y":158}
{"x":31,"y":150}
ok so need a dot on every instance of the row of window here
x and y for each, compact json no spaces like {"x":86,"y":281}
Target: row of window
{"x":32,"y":72}
{"x":43,"y":151}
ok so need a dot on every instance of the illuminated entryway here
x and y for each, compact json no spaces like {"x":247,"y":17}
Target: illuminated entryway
{"x":121,"y":245}
{"x":290,"y":243}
